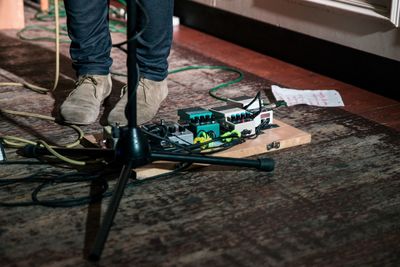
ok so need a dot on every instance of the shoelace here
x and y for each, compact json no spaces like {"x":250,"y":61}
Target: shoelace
{"x":83,"y":78}
{"x":124,"y":89}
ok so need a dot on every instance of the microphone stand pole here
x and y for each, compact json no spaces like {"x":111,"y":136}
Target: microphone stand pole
{"x":133,"y":146}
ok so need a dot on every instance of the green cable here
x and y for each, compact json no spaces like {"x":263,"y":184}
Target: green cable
{"x":123,"y":2}
{"x":212,"y":92}
{"x":115,"y":26}
{"x":21,"y":35}
{"x":50,"y":14}
{"x":46,"y":16}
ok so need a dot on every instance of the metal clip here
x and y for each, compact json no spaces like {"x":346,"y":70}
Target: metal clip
{"x":275,"y":144}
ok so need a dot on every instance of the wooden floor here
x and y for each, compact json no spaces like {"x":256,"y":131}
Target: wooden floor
{"x":358,"y":101}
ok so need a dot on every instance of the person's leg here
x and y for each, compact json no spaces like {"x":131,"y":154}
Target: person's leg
{"x":87,"y":22}
{"x":155,"y":43}
{"x":90,"y":48}
{"x":153,"y":49}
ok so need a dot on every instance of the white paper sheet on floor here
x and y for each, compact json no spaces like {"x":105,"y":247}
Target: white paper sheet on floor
{"x":320,"y":98}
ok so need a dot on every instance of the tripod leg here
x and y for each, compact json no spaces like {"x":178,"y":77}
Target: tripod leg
{"x":104,"y":230}
{"x":261,"y":164}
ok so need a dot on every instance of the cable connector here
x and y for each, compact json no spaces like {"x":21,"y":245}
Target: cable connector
{"x":111,"y":135}
{"x":277,"y":104}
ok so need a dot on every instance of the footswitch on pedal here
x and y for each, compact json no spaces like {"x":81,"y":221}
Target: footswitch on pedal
{"x":166,"y":133}
{"x":234,"y":118}
{"x":199,"y":120}
{"x":176,"y":133}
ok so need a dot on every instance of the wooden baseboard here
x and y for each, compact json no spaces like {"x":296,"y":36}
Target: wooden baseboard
{"x":44,"y":5}
{"x":12,"y":14}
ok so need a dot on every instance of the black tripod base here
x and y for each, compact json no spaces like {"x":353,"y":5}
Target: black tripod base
{"x":103,"y":232}
{"x":264,"y":164}
{"x":101,"y":238}
{"x":260,"y":164}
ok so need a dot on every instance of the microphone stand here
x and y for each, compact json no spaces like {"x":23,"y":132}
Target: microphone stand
{"x":133,"y":149}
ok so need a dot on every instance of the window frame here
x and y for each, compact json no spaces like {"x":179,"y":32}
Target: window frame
{"x":392,"y":14}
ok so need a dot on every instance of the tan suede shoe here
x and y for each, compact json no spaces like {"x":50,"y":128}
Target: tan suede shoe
{"x":150,"y":94}
{"x":82,"y":106}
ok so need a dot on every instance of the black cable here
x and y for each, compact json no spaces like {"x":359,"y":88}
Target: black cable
{"x":70,"y":202}
{"x":223,"y":147}
{"x":55,"y":178}
{"x":100,"y":195}
{"x":36,"y":177}
{"x":167,"y":140}
{"x":137,"y":35}
{"x":258,"y":96}
{"x":183,"y":140}
{"x":17,"y":204}
{"x":23,"y":162}
{"x":33,"y":178}
{"x":182,"y":166}
{"x":44,"y":178}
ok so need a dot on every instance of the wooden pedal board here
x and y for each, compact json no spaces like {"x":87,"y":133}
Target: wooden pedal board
{"x":282,"y":137}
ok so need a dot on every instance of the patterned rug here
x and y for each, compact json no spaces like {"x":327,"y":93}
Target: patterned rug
{"x":333,"y":202}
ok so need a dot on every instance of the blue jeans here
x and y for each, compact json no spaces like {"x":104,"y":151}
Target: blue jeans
{"x":87,"y":22}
